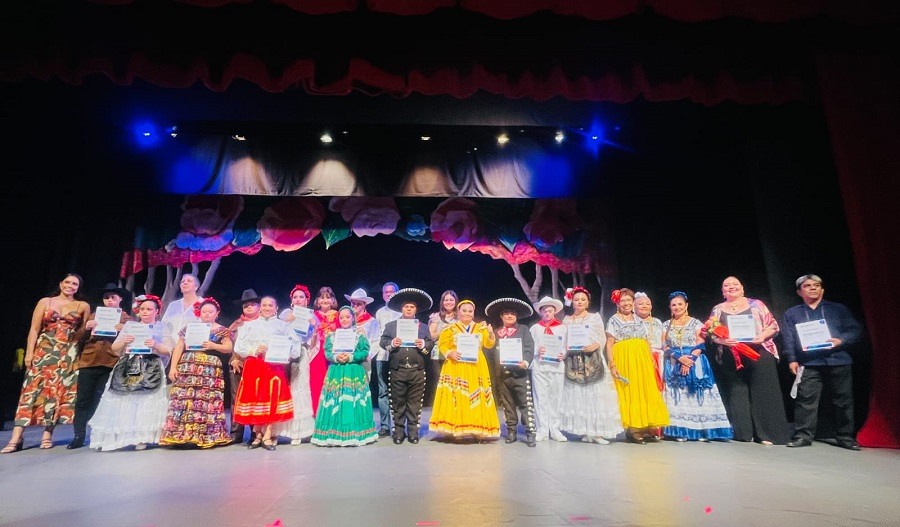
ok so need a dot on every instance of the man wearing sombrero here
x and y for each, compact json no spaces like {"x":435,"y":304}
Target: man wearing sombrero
{"x":515,"y":378}
{"x":407,"y":361}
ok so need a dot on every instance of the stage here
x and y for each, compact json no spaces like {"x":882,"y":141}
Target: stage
{"x":445,"y":484}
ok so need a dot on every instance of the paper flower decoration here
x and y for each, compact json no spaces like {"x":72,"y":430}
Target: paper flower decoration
{"x":291,"y":223}
{"x":367,"y":216}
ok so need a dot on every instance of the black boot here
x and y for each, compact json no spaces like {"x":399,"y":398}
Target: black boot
{"x":77,"y":442}
{"x":511,"y":437}
{"x":530,"y":440}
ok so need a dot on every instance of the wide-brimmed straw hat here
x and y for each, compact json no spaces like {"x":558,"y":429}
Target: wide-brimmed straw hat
{"x":360,"y":296}
{"x":420,"y":298}
{"x":248,"y":295}
{"x":548,"y":301}
{"x":495,"y":308}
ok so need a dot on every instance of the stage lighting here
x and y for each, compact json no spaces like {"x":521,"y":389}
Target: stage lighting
{"x":326,"y":138}
{"x":502,"y":139}
{"x":560,"y":136}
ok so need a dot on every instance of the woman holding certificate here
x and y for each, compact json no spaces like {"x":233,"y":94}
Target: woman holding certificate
{"x":48,"y":393}
{"x":196,"y":413}
{"x":345,"y":409}
{"x":133,"y":409}
{"x":750,"y":388}
{"x":264,"y":396}
{"x":464,"y":402}
{"x":302,"y":319}
{"x":589,"y":406}
{"x":437,"y":322}
{"x":631,"y":366}
{"x":326,"y":315}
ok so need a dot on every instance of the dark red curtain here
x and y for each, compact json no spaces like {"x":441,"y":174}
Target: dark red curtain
{"x":861,"y":95}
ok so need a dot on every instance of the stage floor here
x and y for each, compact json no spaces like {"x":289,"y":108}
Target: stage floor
{"x":444,"y":484}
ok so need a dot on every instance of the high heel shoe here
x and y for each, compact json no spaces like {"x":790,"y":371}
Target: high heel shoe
{"x":13,"y":447}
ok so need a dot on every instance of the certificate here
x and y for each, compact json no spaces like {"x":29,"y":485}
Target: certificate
{"x":741,"y":328}
{"x":579,"y":336}
{"x":142,"y":333}
{"x":195,"y":334}
{"x":510,"y":350}
{"x":344,"y":340}
{"x":106,"y":318}
{"x":407,"y":331}
{"x":467,"y":346}
{"x":553,"y":347}
{"x":302,"y":315}
{"x":814,"y":335}
{"x":279,"y":350}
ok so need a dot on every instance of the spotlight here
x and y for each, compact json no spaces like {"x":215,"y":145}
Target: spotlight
{"x":425,"y":138}
{"x":239,"y":137}
{"x":560,"y":137}
{"x":502,"y":139}
{"x":326,"y":138}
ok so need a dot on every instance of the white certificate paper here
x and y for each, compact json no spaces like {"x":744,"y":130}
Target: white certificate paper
{"x":741,"y":327}
{"x":510,"y":350}
{"x":814,"y":335}
{"x":467,"y":346}
{"x":279,"y":350}
{"x":142,"y":333}
{"x":344,"y":340}
{"x":302,"y":315}
{"x":578,"y":336}
{"x":408,"y":331}
{"x":195,"y":334}
{"x":553,"y":347}
{"x":106,"y":318}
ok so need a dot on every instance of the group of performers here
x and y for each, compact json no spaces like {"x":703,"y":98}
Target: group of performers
{"x":304,"y":373}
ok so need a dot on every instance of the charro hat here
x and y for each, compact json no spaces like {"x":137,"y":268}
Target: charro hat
{"x":248,"y":295}
{"x":548,"y":301}
{"x":113,"y":288}
{"x":359,"y":295}
{"x":495,"y":308}
{"x":420,"y":298}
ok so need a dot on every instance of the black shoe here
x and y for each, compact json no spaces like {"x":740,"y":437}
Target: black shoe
{"x":799,"y":442}
{"x":511,"y":437}
{"x":398,"y":440}
{"x":270,"y":444}
{"x":384,"y":432}
{"x":77,"y":442}
{"x":849,"y":445}
{"x":530,"y":440}
{"x":413,"y":440}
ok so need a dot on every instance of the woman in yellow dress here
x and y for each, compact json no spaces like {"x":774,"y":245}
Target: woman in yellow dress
{"x":464,"y":403}
{"x":631,"y":365}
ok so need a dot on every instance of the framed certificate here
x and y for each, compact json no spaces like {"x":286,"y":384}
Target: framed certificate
{"x":195,"y":334}
{"x":408,"y":331}
{"x":302,"y":315}
{"x":467,"y":346}
{"x":510,"y":351}
{"x":741,"y":328}
{"x":553,"y":347}
{"x":279,"y":350}
{"x":106,"y":318}
{"x":814,"y":335}
{"x":344,"y":340}
{"x":579,"y":336}
{"x":142,"y":333}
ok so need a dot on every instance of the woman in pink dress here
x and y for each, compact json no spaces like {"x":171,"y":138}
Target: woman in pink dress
{"x":326,"y":313}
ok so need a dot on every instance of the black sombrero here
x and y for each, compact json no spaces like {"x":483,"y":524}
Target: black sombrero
{"x":522,"y":309}
{"x":420,"y":298}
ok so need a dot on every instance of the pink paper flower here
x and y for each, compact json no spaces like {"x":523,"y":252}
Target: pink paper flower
{"x":455,"y":224}
{"x":291,"y":223}
{"x":367,"y":216}
{"x":207,"y":222}
{"x":552,"y":220}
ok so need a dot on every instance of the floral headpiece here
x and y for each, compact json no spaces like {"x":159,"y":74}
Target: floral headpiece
{"x":300,"y":287}
{"x":682,"y":294}
{"x":616,"y":296}
{"x":640,"y":294}
{"x":208,"y":300}
{"x":140,"y":299}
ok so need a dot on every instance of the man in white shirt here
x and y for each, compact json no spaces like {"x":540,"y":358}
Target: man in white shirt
{"x":383,"y":316}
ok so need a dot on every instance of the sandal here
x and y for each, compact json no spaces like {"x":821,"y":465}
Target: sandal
{"x":46,"y":442}
{"x":13,"y":447}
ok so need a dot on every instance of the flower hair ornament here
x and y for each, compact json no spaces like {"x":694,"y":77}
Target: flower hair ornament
{"x":208,"y":300}
{"x":616,"y":296}
{"x":640,"y":294}
{"x":570,"y":292}
{"x":682,"y":294}
{"x":140,"y":299}
{"x":300,"y":287}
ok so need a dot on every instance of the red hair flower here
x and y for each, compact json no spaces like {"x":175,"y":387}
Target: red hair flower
{"x":616,"y":295}
{"x":140,"y":299}
{"x":208,"y":300}
{"x":300,"y":287}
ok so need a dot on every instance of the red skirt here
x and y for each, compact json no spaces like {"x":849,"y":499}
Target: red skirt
{"x":264,"y":395}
